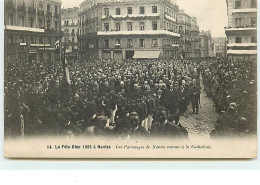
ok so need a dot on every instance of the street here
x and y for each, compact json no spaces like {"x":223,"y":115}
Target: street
{"x":200,"y":125}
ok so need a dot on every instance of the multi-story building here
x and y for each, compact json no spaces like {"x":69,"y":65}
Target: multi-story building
{"x":32,"y":30}
{"x":210,"y":43}
{"x":70,"y":27}
{"x":204,"y":44}
{"x":220,"y":46}
{"x":126,"y":29}
{"x":184,"y":24}
{"x":195,"y":49}
{"x":242,"y":29}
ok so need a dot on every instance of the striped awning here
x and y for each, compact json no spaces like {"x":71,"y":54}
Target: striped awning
{"x":147,"y":54}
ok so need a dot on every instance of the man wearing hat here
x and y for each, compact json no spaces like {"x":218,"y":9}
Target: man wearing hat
{"x":164,"y":128}
{"x":195,"y":98}
{"x":137,"y":129}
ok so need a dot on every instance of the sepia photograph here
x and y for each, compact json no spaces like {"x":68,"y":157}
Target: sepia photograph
{"x":130,"y":79}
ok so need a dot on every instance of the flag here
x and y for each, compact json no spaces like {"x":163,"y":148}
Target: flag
{"x":67,"y":72}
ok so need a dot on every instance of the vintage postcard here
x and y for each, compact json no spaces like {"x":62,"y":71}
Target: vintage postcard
{"x":130,"y":79}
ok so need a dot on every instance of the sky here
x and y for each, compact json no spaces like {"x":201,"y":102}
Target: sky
{"x":211,"y":14}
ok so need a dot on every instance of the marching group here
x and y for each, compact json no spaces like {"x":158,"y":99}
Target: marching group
{"x":125,"y":99}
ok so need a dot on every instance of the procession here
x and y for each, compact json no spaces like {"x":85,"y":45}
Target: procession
{"x":124,"y":99}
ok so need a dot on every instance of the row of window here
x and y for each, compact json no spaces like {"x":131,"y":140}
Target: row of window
{"x":130,"y":43}
{"x":32,"y":22}
{"x":130,"y":26}
{"x":130,"y":10}
{"x":239,"y":40}
{"x":72,"y":23}
{"x":238,"y":4}
{"x":68,"y":31}
{"x":238,"y":22}
{"x":16,"y":40}
{"x":56,"y":7}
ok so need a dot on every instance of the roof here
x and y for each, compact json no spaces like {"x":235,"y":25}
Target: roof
{"x":147,"y":54}
{"x":70,"y":13}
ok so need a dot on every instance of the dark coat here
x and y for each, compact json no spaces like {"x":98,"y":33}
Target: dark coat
{"x":167,"y":130}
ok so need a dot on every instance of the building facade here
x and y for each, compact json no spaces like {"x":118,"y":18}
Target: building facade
{"x":128,"y":29}
{"x":242,"y":29}
{"x":184,"y":25}
{"x":204,"y":44}
{"x":70,"y":28}
{"x":210,"y":43}
{"x":195,"y":49}
{"x":220,"y":46}
{"x":32,"y":30}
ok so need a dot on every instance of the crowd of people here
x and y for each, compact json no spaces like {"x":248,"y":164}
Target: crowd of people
{"x":126,"y":99}
{"x":233,"y":88}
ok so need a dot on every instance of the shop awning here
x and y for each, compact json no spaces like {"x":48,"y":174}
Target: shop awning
{"x":147,"y":54}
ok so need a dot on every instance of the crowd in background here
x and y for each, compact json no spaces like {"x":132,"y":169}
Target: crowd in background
{"x":126,"y":99}
{"x":233,"y":88}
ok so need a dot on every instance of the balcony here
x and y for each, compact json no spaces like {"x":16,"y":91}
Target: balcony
{"x":170,"y":18}
{"x":242,"y":45}
{"x":241,"y":30}
{"x":242,"y":52}
{"x":129,"y":45}
{"x":154,"y":45}
{"x":129,"y":33}
{"x":134,"y":16}
{"x":244,"y":10}
{"x":117,"y":45}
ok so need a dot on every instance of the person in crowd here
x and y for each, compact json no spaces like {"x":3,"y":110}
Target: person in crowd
{"x":164,"y":128}
{"x":195,"y":97}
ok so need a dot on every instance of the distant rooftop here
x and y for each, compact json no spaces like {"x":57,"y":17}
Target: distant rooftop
{"x":69,"y":13}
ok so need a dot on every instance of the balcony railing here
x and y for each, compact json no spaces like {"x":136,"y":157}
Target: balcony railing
{"x":239,"y":27}
{"x":129,"y":45}
{"x":117,"y":45}
{"x":154,"y":45}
